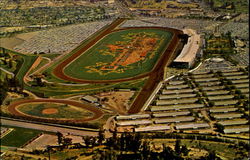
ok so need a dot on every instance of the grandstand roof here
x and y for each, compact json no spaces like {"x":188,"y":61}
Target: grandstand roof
{"x":189,"y":50}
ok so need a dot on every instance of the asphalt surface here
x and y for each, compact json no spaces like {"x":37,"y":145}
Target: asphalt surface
{"x":47,"y":128}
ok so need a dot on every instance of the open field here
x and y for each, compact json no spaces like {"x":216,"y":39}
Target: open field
{"x":19,"y":136}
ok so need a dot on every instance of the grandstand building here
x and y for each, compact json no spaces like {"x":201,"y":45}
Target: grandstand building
{"x":190,"y":51}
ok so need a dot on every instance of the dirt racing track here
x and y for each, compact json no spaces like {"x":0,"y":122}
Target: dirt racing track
{"x":155,"y":75}
{"x":13,"y":109}
{"x":59,"y":70}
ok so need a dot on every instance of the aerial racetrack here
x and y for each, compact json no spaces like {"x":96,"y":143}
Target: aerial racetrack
{"x":113,"y":55}
{"x":119,"y":55}
{"x":123,"y":54}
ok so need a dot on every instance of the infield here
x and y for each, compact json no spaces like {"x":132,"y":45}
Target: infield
{"x":54,"y":110}
{"x":121,"y":54}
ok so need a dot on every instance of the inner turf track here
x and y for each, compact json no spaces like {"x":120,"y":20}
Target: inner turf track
{"x":13,"y":108}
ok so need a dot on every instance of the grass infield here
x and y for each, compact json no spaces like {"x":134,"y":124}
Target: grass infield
{"x":19,"y":136}
{"x":54,"y":110}
{"x":88,"y":65}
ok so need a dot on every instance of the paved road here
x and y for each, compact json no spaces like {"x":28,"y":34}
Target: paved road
{"x":12,"y":74}
{"x":47,"y":128}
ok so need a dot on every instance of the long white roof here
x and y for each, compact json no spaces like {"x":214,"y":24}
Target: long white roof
{"x":192,"y":126}
{"x":218,"y":110}
{"x":176,"y":107}
{"x":176,"y":120}
{"x":152,"y":128}
{"x":133,"y":123}
{"x":233,"y":122}
{"x":228,"y":115}
{"x":170,"y":114}
{"x":236,"y":130}
{"x":134,"y":116}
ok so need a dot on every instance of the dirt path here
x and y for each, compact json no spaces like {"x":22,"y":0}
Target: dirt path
{"x":97,"y":113}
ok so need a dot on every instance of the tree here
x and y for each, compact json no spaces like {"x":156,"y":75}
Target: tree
{"x":145,"y":150}
{"x":100,"y":136}
{"x":59,"y":137}
{"x":184,"y":150}
{"x":177,"y":146}
{"x":67,"y":141}
{"x":39,"y":81}
{"x":87,"y":141}
{"x":219,"y":127}
{"x":212,"y":156}
{"x":211,"y":103}
{"x":10,"y":63}
{"x":93,"y":141}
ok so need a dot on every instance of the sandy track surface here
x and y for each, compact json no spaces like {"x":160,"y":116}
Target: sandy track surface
{"x":157,"y":74}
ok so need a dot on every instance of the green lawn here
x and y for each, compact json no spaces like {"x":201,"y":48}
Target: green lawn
{"x":27,"y":63}
{"x":41,"y":64}
{"x":64,"y":111}
{"x":80,"y":68}
{"x":61,"y":91}
{"x":19,"y":136}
